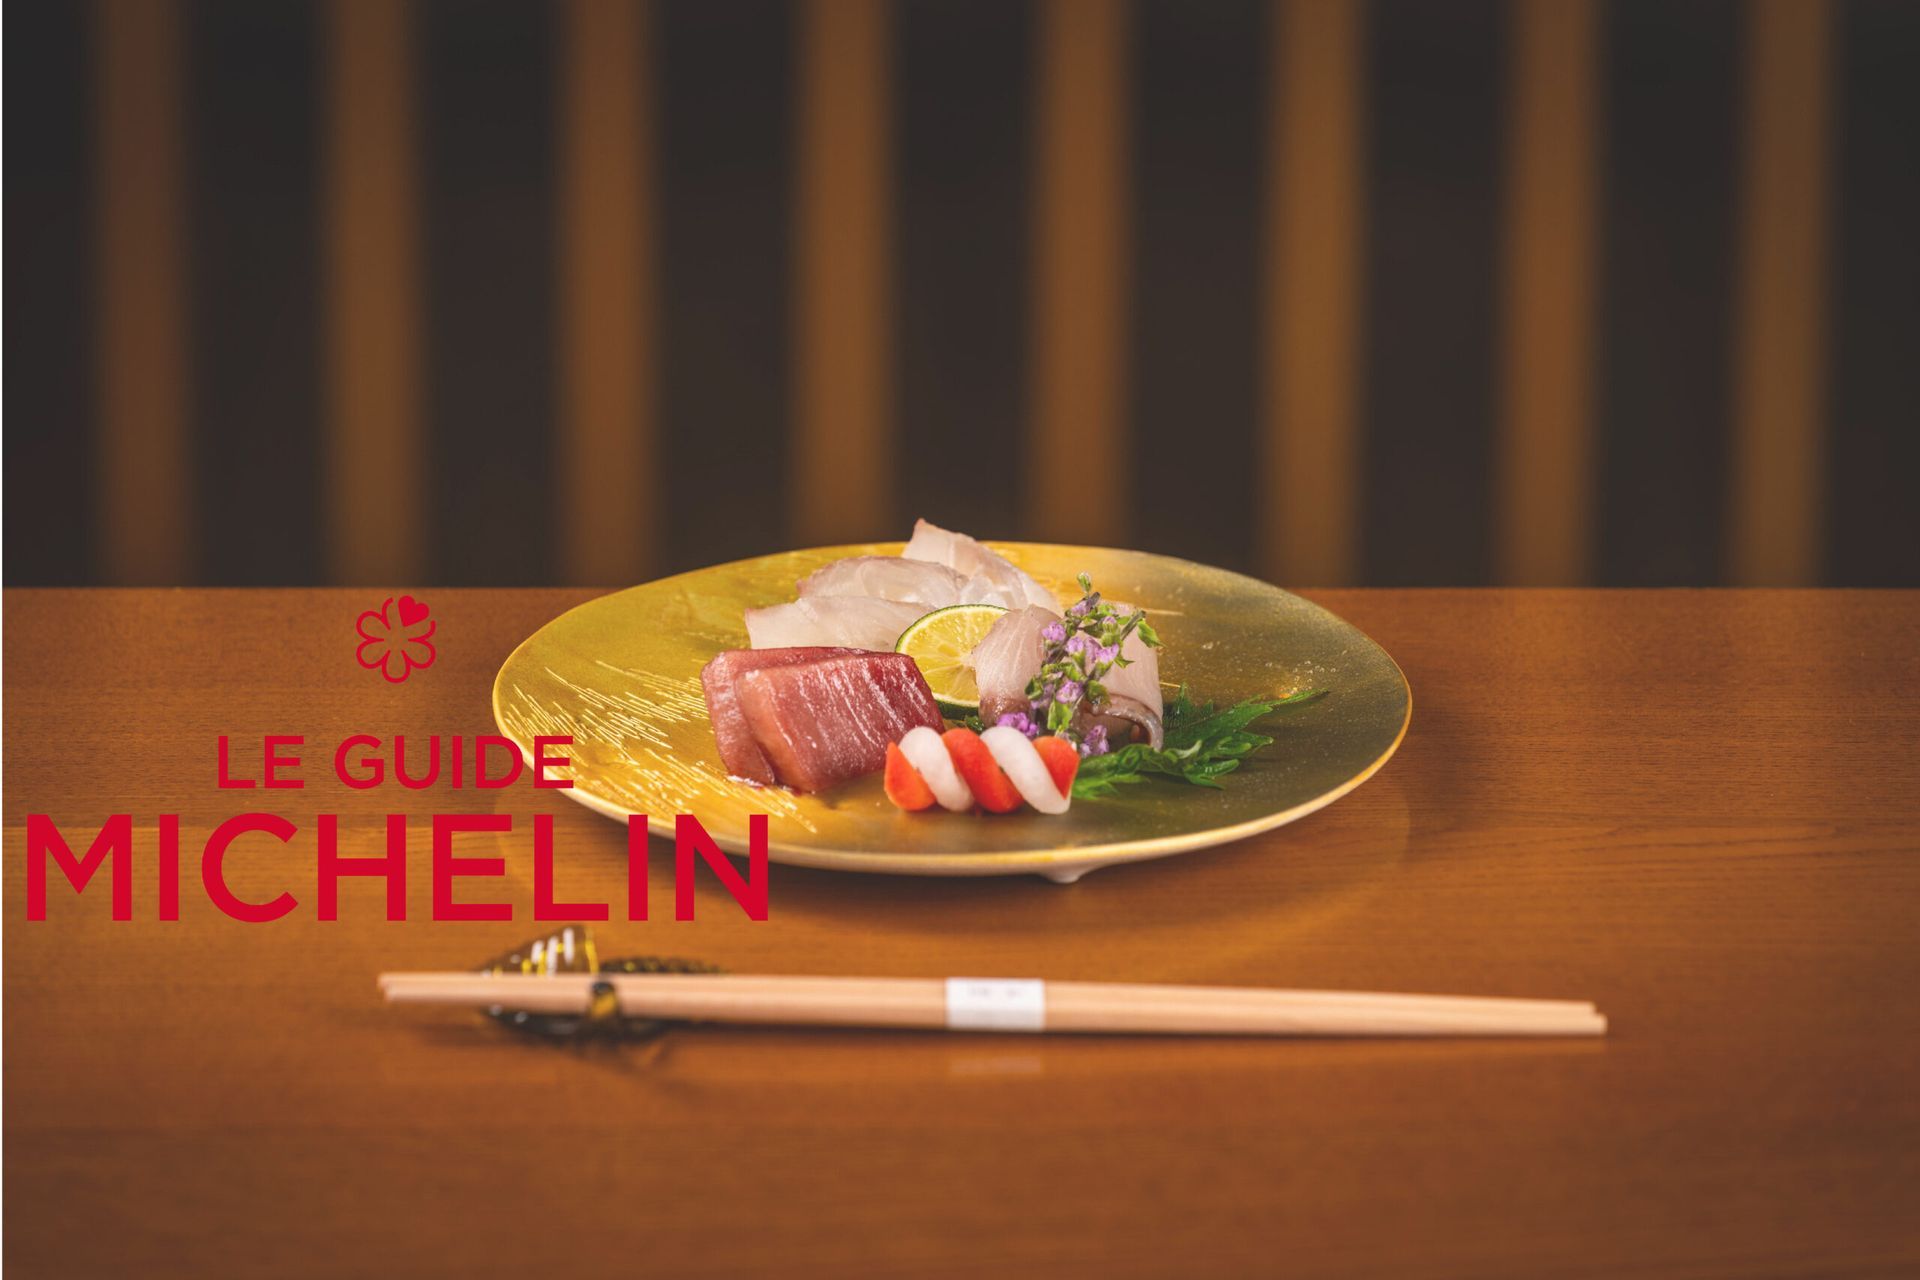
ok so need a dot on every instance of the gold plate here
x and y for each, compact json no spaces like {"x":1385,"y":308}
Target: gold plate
{"x":621,"y":674}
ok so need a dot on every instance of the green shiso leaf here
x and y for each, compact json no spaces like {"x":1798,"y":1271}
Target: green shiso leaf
{"x":1202,"y":745}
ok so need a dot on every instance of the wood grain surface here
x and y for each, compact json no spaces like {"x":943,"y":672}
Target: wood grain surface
{"x":1698,"y":809}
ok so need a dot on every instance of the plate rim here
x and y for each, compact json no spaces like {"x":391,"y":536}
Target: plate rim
{"x":1002,"y":862}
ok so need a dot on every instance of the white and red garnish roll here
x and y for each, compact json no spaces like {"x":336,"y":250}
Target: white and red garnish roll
{"x":999,"y":771}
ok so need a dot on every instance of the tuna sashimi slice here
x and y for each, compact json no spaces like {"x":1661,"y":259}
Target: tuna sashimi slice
{"x":824,"y":723}
{"x":720,"y":679}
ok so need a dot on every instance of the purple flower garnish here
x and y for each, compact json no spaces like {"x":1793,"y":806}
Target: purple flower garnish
{"x":1020,"y":721}
{"x":1094,"y":743}
{"x":1079,"y":654}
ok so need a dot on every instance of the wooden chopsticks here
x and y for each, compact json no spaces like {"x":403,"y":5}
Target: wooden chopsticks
{"x":1000,"y":1004}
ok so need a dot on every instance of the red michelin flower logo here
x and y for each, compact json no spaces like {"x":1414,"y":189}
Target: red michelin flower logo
{"x":396,"y":638}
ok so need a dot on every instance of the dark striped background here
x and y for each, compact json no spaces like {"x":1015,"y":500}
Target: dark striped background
{"x":1046,"y":297}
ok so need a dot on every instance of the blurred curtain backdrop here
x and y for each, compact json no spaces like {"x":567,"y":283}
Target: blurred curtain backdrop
{"x":1331,"y":291}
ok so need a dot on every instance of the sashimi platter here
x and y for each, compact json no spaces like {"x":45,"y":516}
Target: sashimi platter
{"x":950,"y":707}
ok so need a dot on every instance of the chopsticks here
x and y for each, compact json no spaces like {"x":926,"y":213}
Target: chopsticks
{"x":1005,"y":1004}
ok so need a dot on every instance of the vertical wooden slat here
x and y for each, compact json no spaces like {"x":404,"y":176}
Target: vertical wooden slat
{"x":489,"y":101}
{"x":1545,"y":459}
{"x":374,"y":428}
{"x":255,"y":106}
{"x":1433,"y":181}
{"x":963,"y":81}
{"x":842,"y":473}
{"x":609,"y":499}
{"x":1775,"y":520}
{"x":726,"y":85}
{"x":1309,"y":526}
{"x":51,"y":305}
{"x":1080,"y":243}
{"x":1669,"y":103}
{"x":1873,"y":523}
{"x":1199,"y":90}
{"x":146,"y":487}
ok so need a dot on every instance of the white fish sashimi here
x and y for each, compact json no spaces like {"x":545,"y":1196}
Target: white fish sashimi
{"x":853,"y":622}
{"x":1007,"y":657}
{"x":985,"y":589}
{"x":1133,"y":690}
{"x":993,"y":578}
{"x":932,"y":586}
{"x":1010,"y":654}
{"x":1140,"y":678}
{"x":1121,"y":715}
{"x":943,"y":546}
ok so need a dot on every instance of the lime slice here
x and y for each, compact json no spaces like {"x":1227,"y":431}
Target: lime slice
{"x":941,"y":643}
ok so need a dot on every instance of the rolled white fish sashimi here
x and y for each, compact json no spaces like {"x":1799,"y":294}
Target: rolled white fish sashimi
{"x":1017,"y":757}
{"x":931,"y":586}
{"x":1010,"y":654}
{"x":853,"y":622}
{"x":1121,"y":715}
{"x":927,"y":752}
{"x":1133,"y":690}
{"x":1007,"y":657}
{"x":1140,"y":678}
{"x":993,"y":578}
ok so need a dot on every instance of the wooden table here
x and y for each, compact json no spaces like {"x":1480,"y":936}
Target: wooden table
{"x":1701,"y":810}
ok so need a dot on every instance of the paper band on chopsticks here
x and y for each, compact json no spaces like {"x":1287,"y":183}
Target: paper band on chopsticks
{"x":996,"y":1004}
